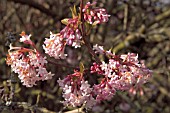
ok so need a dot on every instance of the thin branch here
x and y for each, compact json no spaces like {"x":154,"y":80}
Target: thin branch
{"x":125,"y":21}
{"x":87,"y":43}
{"x":25,"y":105}
{"x":62,"y":65}
{"x":35,"y":5}
{"x":91,"y":50}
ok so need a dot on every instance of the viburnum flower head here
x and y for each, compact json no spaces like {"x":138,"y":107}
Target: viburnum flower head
{"x":71,"y":32}
{"x":55,"y":46}
{"x":103,"y":91}
{"x":122,"y":71}
{"x":76,"y":91}
{"x":95,"y":15}
{"x":28,"y":64}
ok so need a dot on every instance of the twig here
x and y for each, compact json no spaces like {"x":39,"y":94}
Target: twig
{"x":130,"y":38}
{"x":79,"y":110}
{"x":35,"y":5}
{"x":159,"y":18}
{"x":91,"y":50}
{"x":125,"y":17}
{"x":87,"y":43}
{"x":7,"y":17}
{"x":26,"y":105}
{"x":62,"y":65}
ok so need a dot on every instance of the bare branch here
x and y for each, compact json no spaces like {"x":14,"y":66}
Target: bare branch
{"x":35,"y":5}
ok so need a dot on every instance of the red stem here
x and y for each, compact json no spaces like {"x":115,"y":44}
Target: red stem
{"x":87,"y":43}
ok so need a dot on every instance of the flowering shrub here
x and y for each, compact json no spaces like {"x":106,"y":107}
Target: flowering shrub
{"x":120,"y":73}
{"x":28,"y":63}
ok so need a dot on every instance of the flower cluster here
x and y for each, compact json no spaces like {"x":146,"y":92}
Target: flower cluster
{"x":71,"y":32}
{"x":122,"y":72}
{"x":28,"y":63}
{"x":76,"y":91}
{"x":95,"y":15}
{"x":55,"y":46}
{"x":72,"y":35}
{"x":103,"y":91}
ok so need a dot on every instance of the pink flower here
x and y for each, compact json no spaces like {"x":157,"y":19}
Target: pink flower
{"x":96,"y":68}
{"x":29,"y":65}
{"x":122,"y":72}
{"x":95,"y":15}
{"x":100,"y":50}
{"x":71,"y":33}
{"x":25,"y":38}
{"x":55,"y":46}
{"x":76,"y":91}
{"x":104,"y":90}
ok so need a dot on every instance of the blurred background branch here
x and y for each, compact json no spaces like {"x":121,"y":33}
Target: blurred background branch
{"x":35,"y":5}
